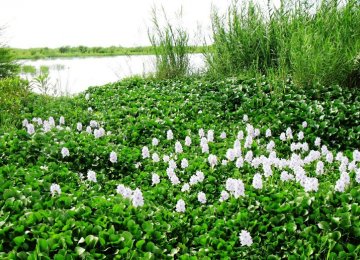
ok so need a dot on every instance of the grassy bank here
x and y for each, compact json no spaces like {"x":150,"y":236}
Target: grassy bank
{"x":83,"y":51}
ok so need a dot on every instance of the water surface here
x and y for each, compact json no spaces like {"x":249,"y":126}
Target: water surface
{"x":74,"y":75}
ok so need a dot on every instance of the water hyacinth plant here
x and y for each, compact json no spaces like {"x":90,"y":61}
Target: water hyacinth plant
{"x":144,"y":191}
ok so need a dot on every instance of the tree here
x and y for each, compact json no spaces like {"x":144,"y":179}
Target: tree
{"x":8,"y":66}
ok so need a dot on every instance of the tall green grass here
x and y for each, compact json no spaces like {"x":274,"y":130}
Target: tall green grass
{"x":171,"y":47}
{"x":313,"y":42}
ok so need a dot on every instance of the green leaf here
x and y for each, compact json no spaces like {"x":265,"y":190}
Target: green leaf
{"x":79,"y":250}
{"x":324,"y":225}
{"x":148,"y":227}
{"x":139,"y":244}
{"x":19,"y":240}
{"x":43,"y":245}
{"x":91,"y":241}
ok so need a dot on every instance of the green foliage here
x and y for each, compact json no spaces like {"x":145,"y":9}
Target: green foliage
{"x":89,"y":220}
{"x":13,"y":98}
{"x":8,"y":66}
{"x":171,"y":48}
{"x":314,"y":43}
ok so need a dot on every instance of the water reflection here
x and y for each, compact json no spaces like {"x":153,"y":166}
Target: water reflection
{"x":74,"y":75}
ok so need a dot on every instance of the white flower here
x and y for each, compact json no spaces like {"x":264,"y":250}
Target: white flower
{"x":245,"y":238}
{"x":166,"y":158}
{"x":230,"y":154}
{"x":200,"y":176}
{"x":239,"y":162}
{"x":124,"y":191}
{"x":236,"y":187}
{"x":185,"y":187}
{"x":99,"y":132}
{"x":205,"y":148}
{"x":324,"y":150}
{"x":145,"y":152}
{"x":55,"y":188}
{"x":87,"y":96}
{"x":223,"y":135}
{"x":94,"y":123}
{"x":305,"y":147}
{"x":224,"y":162}
{"x":155,"y":179}
{"x":30,"y":129}
{"x":180,"y":206}
{"x":137,"y":198}
{"x":212,"y":160}
{"x":240,"y":135}
{"x":25,"y":122}
{"x":210,"y":135}
{"x":311,"y":184}
{"x":289,"y":134}
{"x":178,"y":147}
{"x":317,"y":141}
{"x":172,"y":164}
{"x":201,"y":133}
{"x":340,"y":185}
{"x":285,"y":176}
{"x":319,"y":167}
{"x":268,"y":133}
{"x":245,"y":118}
{"x":224,"y":196}
{"x":270,"y":146}
{"x":79,"y":126}
{"x":187,"y":141}
{"x":339,"y":156}
{"x":248,"y":141}
{"x":88,"y":130}
{"x":304,"y":124}
{"x":113,"y":157}
{"x":184,"y":163}
{"x":257,"y":181}
{"x":301,"y":135}
{"x":249,"y":156}
{"x":169,"y":135}
{"x":65,"y":152}
{"x":155,"y":141}
{"x":90,"y":109}
{"x":174,"y":179}
{"x":62,"y":120}
{"x":356,"y":156}
{"x":155,"y":157}
{"x":282,"y":136}
{"x":51,"y":121}
{"x":357,"y":177}
{"x":201,"y":197}
{"x":46,"y":126}
{"x":193,"y":180}
{"x":256,"y":132}
{"x":91,"y":176}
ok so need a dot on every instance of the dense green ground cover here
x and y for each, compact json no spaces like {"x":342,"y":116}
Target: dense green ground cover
{"x":90,"y":220}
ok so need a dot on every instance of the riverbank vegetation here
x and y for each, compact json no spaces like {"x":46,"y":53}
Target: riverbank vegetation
{"x":83,"y":51}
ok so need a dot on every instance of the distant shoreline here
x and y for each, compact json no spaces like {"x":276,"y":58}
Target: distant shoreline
{"x":83,"y":51}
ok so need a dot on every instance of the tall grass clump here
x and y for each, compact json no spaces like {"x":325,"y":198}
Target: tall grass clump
{"x":311,"y":41}
{"x":171,"y":46}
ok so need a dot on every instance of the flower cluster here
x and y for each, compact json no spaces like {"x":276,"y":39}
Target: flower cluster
{"x":135,"y":196}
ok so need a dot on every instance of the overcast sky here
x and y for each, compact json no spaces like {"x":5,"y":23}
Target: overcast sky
{"x":55,"y":23}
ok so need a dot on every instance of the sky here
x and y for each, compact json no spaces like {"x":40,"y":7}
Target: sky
{"x":56,"y":23}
